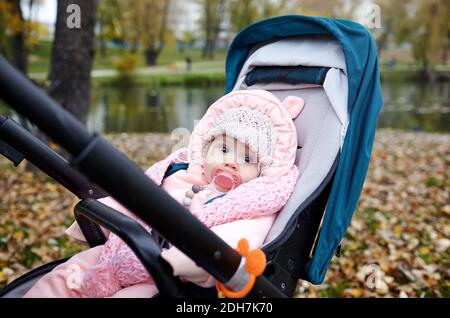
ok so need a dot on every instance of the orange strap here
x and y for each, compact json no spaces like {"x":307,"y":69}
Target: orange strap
{"x":255,"y":265}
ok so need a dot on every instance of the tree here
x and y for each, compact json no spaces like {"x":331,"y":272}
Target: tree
{"x":19,"y":50}
{"x":245,"y":12}
{"x":16,"y":35}
{"x":271,"y":8}
{"x":424,"y":24}
{"x":242,"y":14}
{"x":212,"y":18}
{"x":135,"y":23}
{"x":343,"y":9}
{"x":110,"y":22}
{"x":149,"y":20}
{"x":392,"y":16}
{"x":72,"y":56}
{"x":188,"y":40}
{"x":427,"y":29}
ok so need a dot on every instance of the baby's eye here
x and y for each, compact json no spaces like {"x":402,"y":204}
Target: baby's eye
{"x":224,"y":149}
{"x":247,"y":159}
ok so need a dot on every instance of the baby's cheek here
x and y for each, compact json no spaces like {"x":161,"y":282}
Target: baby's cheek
{"x":207,"y":169}
{"x":212,"y":158}
{"x":248,"y":173}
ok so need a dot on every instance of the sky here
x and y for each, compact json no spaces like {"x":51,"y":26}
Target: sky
{"x":45,"y":13}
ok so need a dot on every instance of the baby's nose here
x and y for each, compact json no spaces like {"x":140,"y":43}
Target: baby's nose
{"x":232,"y":165}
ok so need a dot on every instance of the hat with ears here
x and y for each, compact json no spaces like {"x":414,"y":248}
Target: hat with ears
{"x":256,"y":118}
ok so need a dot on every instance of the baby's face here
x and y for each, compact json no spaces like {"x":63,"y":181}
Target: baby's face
{"x":232,"y":155}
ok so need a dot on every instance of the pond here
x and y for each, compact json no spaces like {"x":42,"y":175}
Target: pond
{"x":407,"y":105}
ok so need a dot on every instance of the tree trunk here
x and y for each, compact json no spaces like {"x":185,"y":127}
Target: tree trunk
{"x":210,"y":47}
{"x":445,"y":49}
{"x":134,"y":46}
{"x":151,"y":56}
{"x":72,"y":56}
{"x":214,"y":14}
{"x":102,"y":39}
{"x":18,"y":48}
{"x":207,"y":26}
{"x":19,"y":53}
{"x":205,"y":51}
{"x":152,"y":53}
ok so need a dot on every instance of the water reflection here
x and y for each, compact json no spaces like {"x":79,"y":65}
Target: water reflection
{"x":416,"y":106}
{"x":142,"y":109}
{"x":407,"y":105}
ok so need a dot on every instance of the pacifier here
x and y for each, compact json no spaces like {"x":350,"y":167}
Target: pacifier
{"x":225,"y":179}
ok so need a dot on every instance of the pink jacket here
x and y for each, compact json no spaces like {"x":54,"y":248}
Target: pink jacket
{"x":118,"y":266}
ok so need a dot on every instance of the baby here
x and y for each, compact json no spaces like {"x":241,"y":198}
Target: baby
{"x":241,"y":173}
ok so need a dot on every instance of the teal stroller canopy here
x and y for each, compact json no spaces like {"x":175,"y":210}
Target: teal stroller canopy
{"x":363,"y":106}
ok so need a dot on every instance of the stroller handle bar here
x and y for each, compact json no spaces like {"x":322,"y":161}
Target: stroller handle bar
{"x":104,"y":165}
{"x":14,"y":136}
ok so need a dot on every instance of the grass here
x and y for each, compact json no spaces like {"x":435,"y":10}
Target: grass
{"x":28,"y":257}
{"x":39,"y":62}
{"x":369,"y":219}
{"x":183,"y":79}
{"x":39,"y":58}
{"x":170,"y":55}
{"x":334,"y":291}
{"x":432,"y":182}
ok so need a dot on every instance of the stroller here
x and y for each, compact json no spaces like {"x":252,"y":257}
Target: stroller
{"x":332,"y":64}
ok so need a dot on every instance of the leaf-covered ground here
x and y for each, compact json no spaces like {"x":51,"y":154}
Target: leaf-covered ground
{"x":397,"y":244}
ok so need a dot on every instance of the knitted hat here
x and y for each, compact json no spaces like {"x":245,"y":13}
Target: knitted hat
{"x":250,"y":127}
{"x":256,"y":118}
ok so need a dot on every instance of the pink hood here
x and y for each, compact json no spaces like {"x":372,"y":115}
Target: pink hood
{"x":281,"y":115}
